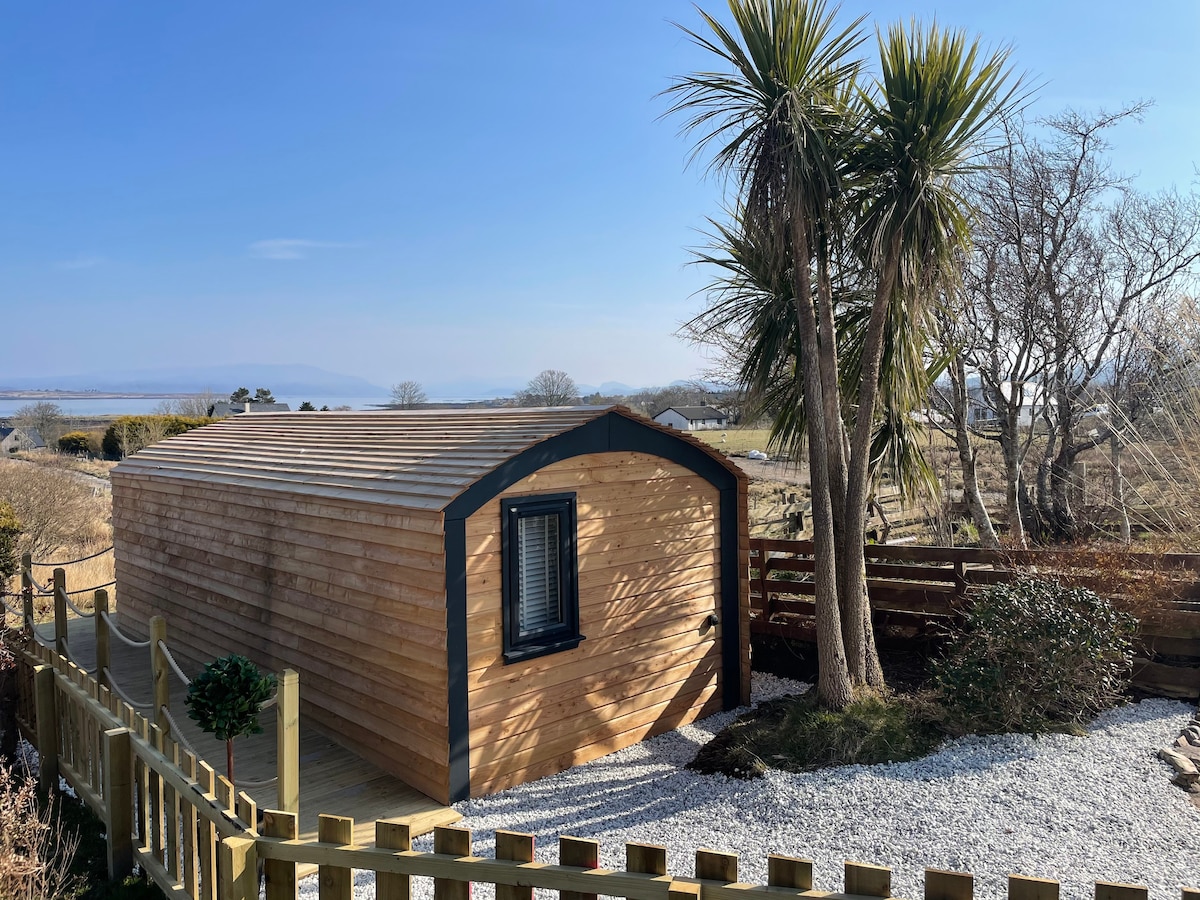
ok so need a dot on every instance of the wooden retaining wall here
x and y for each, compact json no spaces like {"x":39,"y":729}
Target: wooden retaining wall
{"x":917,"y":591}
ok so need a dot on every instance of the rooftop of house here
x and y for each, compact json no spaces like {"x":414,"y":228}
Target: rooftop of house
{"x":421,"y":459}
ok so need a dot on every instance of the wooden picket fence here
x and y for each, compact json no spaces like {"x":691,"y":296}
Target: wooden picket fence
{"x":186,"y":827}
{"x":918,"y":591}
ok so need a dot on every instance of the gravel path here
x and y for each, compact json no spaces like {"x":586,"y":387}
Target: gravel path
{"x":1074,"y":809}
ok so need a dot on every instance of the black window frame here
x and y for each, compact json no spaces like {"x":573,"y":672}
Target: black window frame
{"x":561,"y":636}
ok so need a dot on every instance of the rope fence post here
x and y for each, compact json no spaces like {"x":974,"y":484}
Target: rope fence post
{"x":60,"y":611}
{"x":160,"y":672}
{"x":27,"y":591}
{"x":103,"y":639}
{"x":287,"y":736}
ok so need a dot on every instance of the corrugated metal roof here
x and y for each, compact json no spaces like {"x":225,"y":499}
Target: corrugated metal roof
{"x":420,"y":459}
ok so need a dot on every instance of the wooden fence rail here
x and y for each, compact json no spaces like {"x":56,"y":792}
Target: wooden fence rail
{"x":196,"y":837}
{"x":917,"y":591}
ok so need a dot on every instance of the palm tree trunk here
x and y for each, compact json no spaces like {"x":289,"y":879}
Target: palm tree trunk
{"x":834,"y":687}
{"x":854,"y":564}
{"x":852,"y":633}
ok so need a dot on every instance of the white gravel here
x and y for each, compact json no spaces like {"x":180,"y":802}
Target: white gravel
{"x":1076,"y":809}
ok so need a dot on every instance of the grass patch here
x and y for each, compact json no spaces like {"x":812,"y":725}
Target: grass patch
{"x":795,"y":734}
{"x":735,"y":441}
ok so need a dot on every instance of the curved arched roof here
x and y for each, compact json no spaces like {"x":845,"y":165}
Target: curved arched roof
{"x":419,"y":459}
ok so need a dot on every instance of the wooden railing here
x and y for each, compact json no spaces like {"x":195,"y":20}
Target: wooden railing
{"x":168,"y":812}
{"x":916,"y":591}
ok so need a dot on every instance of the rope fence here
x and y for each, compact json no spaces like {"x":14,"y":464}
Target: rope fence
{"x":98,"y":587}
{"x":177,"y":732}
{"x":79,"y":612}
{"x":71,"y":562}
{"x":15,"y":611}
{"x":167,"y":655}
{"x":42,"y":589}
{"x":116,"y":689}
{"x":119,"y":635}
{"x":71,"y":656}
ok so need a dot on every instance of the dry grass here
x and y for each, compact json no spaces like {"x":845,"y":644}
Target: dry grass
{"x":35,"y":852}
{"x":735,"y":441}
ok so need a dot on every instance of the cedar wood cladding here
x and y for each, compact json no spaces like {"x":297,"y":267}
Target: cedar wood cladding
{"x":351,"y":547}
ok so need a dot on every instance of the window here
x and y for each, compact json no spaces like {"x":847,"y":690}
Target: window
{"x":541,"y":593}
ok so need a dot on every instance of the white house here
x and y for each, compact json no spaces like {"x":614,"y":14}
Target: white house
{"x":692,"y":418}
{"x":1033,"y":399}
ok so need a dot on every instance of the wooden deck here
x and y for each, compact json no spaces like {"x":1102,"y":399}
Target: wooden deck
{"x":332,"y":779}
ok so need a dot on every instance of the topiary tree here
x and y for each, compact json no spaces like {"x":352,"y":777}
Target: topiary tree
{"x":225,"y":698}
{"x":1034,"y":655}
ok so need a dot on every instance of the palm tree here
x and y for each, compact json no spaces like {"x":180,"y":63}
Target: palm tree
{"x":934,"y":100}
{"x":779,"y":123}
{"x":848,"y":188}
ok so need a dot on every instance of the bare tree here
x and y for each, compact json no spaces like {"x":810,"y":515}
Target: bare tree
{"x":408,"y":395}
{"x":1066,"y":252}
{"x":55,"y":510}
{"x":194,"y":406}
{"x":48,"y":418}
{"x":551,"y":387}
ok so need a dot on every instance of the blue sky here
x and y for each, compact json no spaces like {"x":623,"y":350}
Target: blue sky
{"x":416,"y":190}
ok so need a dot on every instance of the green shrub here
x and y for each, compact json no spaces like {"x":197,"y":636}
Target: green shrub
{"x":1035,"y":656}
{"x":796,"y":734}
{"x":129,"y":434}
{"x":77,"y":443}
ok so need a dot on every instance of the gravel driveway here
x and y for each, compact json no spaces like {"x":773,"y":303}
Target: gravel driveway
{"x":1075,"y":809}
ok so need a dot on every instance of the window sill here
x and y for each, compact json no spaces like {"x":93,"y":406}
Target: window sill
{"x":532,"y":651}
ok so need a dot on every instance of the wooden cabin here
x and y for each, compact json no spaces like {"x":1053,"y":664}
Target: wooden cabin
{"x":473,"y":598}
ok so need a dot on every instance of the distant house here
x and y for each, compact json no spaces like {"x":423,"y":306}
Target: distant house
{"x":1033,"y":397}
{"x":223,"y":408}
{"x":15,"y":439}
{"x":692,"y":418}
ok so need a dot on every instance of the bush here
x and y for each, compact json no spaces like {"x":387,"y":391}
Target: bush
{"x":129,"y":434}
{"x":35,"y":851}
{"x":77,"y":443}
{"x":796,"y":734}
{"x":1035,"y":656}
{"x":10,"y":535}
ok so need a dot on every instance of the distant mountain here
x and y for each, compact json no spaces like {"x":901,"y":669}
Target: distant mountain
{"x":280,"y":379}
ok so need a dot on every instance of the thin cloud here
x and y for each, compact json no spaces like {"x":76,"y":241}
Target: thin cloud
{"x":85,"y":261}
{"x":289,"y":248}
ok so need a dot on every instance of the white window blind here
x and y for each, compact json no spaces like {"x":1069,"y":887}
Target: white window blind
{"x":539,"y":605}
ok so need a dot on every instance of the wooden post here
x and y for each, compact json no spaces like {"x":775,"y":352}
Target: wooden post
{"x":581,"y":852}
{"x":516,"y":846}
{"x":712,"y":865}
{"x":336,"y":882}
{"x":1190,"y":893}
{"x":868,"y":880}
{"x":239,"y":869}
{"x":943,"y":885}
{"x":1106,"y":890}
{"x":60,"y":611}
{"x":118,"y":801}
{"x":103,"y":639}
{"x":160,"y":671}
{"x":287,"y":737}
{"x":1022,"y":888}
{"x":789,"y":872}
{"x":452,"y":842}
{"x":396,"y":834}
{"x":47,"y":728}
{"x":207,"y":846}
{"x":280,"y":875}
{"x":646,"y":859}
{"x":27,"y":592}
{"x":187,"y":825}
